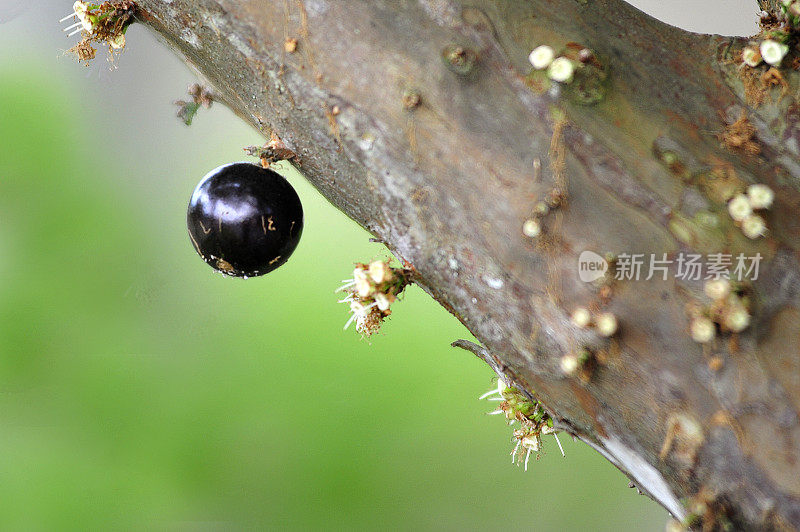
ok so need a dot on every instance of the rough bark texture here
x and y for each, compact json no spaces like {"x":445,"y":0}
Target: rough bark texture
{"x":447,"y":185}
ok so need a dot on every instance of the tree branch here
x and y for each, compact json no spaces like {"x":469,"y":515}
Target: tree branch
{"x":629,"y":158}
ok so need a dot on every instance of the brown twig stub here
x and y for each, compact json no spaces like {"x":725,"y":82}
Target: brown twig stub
{"x":272,"y":152}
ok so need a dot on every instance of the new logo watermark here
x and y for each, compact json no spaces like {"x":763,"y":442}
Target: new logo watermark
{"x":591,"y":266}
{"x":682,"y":266}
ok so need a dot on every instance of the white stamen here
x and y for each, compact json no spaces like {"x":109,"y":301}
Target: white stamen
{"x":79,"y":23}
{"x":559,"y":445}
{"x":345,"y":286}
{"x":527,"y":457}
{"x":75,"y":32}
{"x":514,"y":452}
{"x":487,"y":394}
{"x":68,"y":17}
{"x":495,"y":412}
{"x":495,"y":399}
{"x":346,"y":325}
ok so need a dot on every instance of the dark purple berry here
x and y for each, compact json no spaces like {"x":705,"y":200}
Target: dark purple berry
{"x":244,"y":220}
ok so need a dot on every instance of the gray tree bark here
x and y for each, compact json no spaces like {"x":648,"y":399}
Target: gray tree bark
{"x":632,"y":149}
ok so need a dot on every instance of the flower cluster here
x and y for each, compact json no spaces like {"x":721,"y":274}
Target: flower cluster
{"x":605,"y":323}
{"x":563,"y":68}
{"x":559,"y":69}
{"x":370,"y":293}
{"x":779,"y":35}
{"x":728,"y":311}
{"x":532,"y":226}
{"x":769,"y":51}
{"x":104,"y":22}
{"x":534,"y":421}
{"x":741,"y":207}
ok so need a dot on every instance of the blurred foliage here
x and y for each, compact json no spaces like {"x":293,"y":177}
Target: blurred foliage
{"x":140,"y":389}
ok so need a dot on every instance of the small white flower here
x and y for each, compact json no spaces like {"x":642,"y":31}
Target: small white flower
{"x":739,"y":207}
{"x":581,"y":317}
{"x":541,"y":57}
{"x":606,"y":324}
{"x":703,"y":330}
{"x":717,"y":288}
{"x":382,"y":301}
{"x":760,"y":196}
{"x":363,"y":287}
{"x":754,"y":226}
{"x":751,"y":57}
{"x":532,"y":228}
{"x":359,"y":274}
{"x":773,"y":52}
{"x":379,"y":271}
{"x":737,"y":319}
{"x":561,"y":70}
{"x":569,"y":364}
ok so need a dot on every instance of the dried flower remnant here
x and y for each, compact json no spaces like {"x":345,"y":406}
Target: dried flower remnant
{"x":201,"y":97}
{"x":84,"y":51}
{"x":740,"y":136}
{"x":272,"y":152}
{"x":370,"y":293}
{"x":411,"y":99}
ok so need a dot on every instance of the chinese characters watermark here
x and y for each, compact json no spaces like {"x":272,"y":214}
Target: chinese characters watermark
{"x":681,"y":266}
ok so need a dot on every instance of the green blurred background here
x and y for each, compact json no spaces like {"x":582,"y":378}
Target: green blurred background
{"x":139,"y":389}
